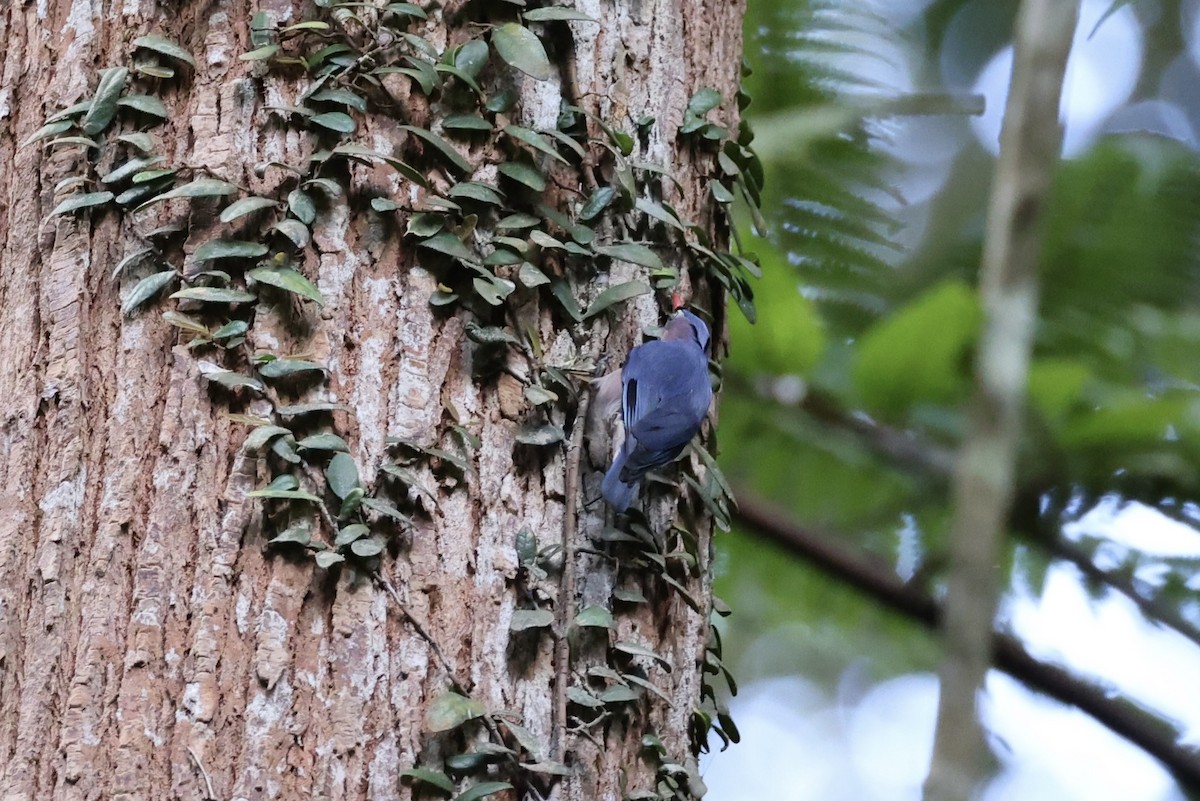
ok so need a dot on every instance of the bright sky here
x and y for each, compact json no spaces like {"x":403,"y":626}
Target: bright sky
{"x":798,"y":743}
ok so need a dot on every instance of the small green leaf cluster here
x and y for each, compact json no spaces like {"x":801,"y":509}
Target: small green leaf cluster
{"x":492,"y":747}
{"x":674,"y":780}
{"x":122,"y":94}
{"x":740,"y":173}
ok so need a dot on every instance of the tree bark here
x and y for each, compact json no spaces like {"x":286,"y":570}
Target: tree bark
{"x":150,"y":645}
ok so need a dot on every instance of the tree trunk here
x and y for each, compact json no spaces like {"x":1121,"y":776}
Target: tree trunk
{"x":151,"y":644}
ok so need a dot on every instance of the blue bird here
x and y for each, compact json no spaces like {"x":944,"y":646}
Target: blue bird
{"x":665,"y":395}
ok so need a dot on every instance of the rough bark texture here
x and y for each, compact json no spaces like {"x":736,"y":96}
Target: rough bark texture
{"x":149,"y":647}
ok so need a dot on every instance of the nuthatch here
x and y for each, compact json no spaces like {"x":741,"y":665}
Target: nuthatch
{"x":664,"y":396}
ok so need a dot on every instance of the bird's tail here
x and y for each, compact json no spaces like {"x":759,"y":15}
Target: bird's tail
{"x":618,"y":494}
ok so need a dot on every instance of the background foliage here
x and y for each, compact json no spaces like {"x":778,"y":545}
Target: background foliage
{"x":845,"y":403}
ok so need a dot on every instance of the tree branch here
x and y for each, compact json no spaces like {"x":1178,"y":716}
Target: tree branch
{"x":877,"y":580}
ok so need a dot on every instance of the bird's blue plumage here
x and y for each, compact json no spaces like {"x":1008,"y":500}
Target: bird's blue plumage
{"x":665,"y":398}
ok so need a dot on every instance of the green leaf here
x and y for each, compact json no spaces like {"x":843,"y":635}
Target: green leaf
{"x":323,"y":442}
{"x":260,"y":53}
{"x":145,"y":289}
{"x":524,"y":174}
{"x":307,"y":25}
{"x":285,"y":481}
{"x":386,"y":509}
{"x":335,"y":121}
{"x":540,"y":434}
{"x":503,"y":101}
{"x":166,"y":47}
{"x":290,"y":280}
{"x":720,"y":193}
{"x":301,"y":205}
{"x":200,"y":187}
{"x":344,"y":97}
{"x":350,"y":533}
{"x":247,"y":205}
{"x":704,"y":101}
{"x":309,"y":408}
{"x":618,"y":694}
{"x":229,"y":249}
{"x":48,"y":130}
{"x":633,"y":649}
{"x":133,"y":258}
{"x":432,"y":777}
{"x":153,"y":70}
{"x":597,"y":203}
{"x":298,"y":534}
{"x":284,"y":368}
{"x":534,"y":140}
{"x":125,"y":170}
{"x":450,"y":710}
{"x":342,"y":474}
{"x":424,"y":224}
{"x":523,"y":619}
{"x":84,"y":201}
{"x":526,"y":546}
{"x":490,"y":335}
{"x":471,"y":58}
{"x":104,"y":102}
{"x":632,"y":253}
{"x":580,"y":696}
{"x":261,"y":437}
{"x":71,"y":111}
{"x":521,"y":48}
{"x":295,"y":231}
{"x":327,"y":559}
{"x":149,"y":176}
{"x":473,"y":190}
{"x":917,"y":353}
{"x":660,"y":213}
{"x":616,"y":294}
{"x":517,"y":221}
{"x":284,"y":495}
{"x":407,"y":10}
{"x":73,"y":140}
{"x":232,"y":380}
{"x":466,"y":122}
{"x":231,"y":329}
{"x":482,"y":790}
{"x":442,"y":146}
{"x":214,"y":294}
{"x":531,"y":276}
{"x":594,"y":617}
{"x":493,"y":290}
{"x":147,"y":104}
{"x":569,"y":142}
{"x":562,"y":291}
{"x":556,"y":14}
{"x":629,"y":596}
{"x":367,"y":548}
{"x":449,"y":244}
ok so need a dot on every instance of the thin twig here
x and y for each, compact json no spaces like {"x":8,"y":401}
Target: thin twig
{"x":565,"y":609}
{"x":461,"y":687}
{"x":210,"y":795}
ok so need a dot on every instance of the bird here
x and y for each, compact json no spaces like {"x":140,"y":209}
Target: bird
{"x":665,"y":393}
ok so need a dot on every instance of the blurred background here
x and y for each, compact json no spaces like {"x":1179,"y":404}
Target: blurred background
{"x":844,"y":405}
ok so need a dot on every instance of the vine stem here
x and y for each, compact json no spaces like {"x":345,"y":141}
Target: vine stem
{"x":564,"y":612}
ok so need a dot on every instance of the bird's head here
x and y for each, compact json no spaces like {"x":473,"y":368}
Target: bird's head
{"x":685,"y":325}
